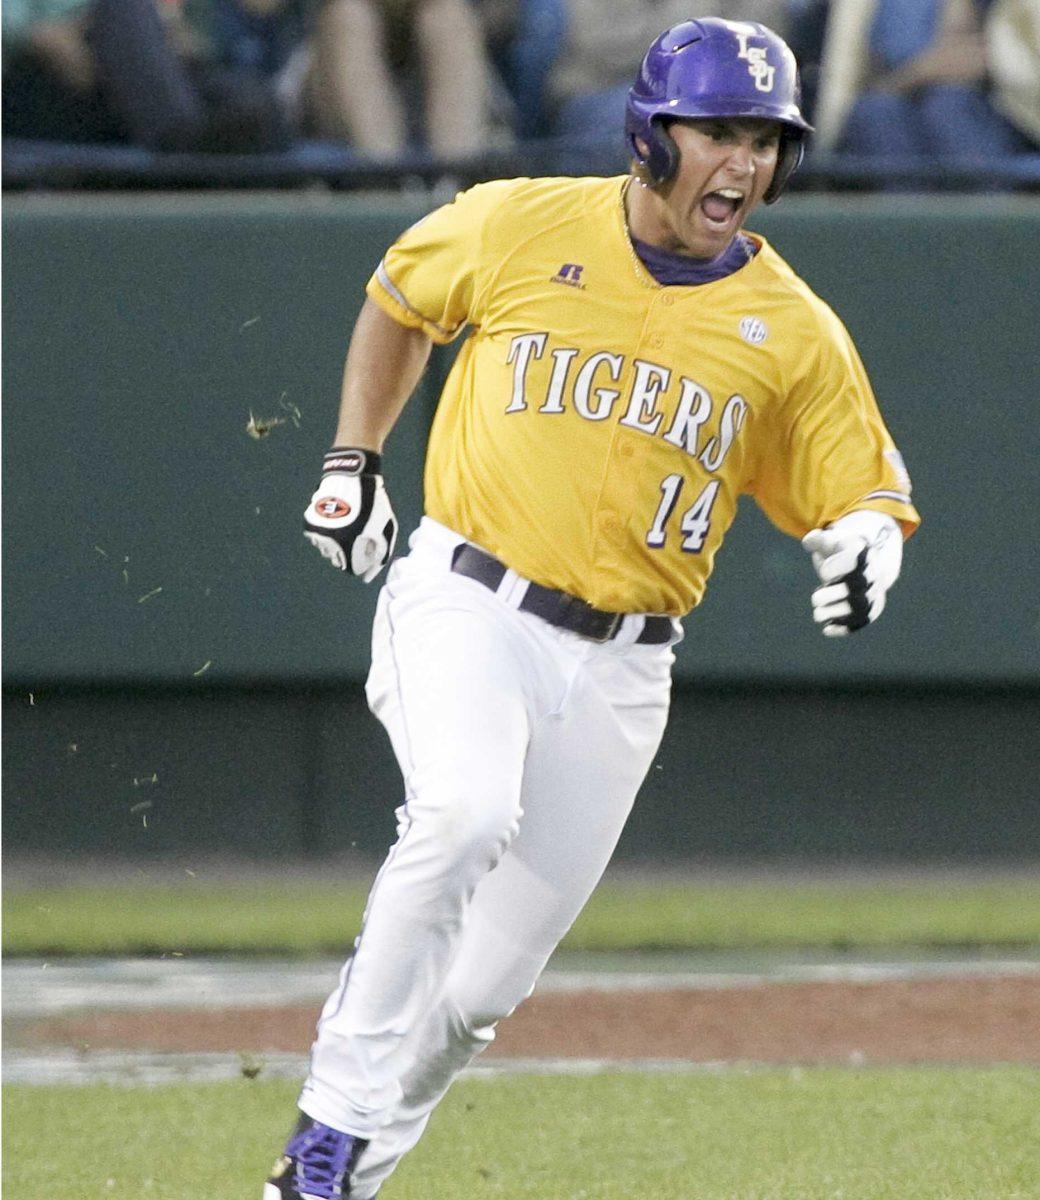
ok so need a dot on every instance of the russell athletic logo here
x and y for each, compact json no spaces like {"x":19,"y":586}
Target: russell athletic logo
{"x":570,"y":274}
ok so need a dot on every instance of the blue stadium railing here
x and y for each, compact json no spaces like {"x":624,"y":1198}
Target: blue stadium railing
{"x":54,"y":165}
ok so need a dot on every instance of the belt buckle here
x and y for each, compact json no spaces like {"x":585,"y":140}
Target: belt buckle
{"x":612,"y":628}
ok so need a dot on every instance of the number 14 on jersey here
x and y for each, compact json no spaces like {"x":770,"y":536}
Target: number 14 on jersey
{"x":696,"y":520}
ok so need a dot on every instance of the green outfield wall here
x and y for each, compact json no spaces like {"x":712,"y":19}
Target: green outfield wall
{"x":746,"y":773}
{"x":163,"y":611}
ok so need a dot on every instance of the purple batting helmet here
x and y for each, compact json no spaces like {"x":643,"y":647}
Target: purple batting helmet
{"x":715,"y":68}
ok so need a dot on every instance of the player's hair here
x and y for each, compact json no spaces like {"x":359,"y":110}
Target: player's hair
{"x":714,"y":68}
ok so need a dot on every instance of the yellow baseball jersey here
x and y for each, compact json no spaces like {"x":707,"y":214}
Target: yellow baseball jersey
{"x":597,"y":428}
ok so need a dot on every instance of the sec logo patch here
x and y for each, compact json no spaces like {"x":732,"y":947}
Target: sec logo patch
{"x":753,"y":330}
{"x":332,"y":506}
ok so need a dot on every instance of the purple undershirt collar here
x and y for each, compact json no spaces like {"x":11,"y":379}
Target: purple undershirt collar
{"x":677,"y":269}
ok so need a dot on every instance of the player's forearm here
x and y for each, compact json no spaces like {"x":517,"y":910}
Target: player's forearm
{"x":384,"y":365}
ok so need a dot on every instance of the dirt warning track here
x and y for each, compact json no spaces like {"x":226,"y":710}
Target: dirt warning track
{"x":850,"y":1014}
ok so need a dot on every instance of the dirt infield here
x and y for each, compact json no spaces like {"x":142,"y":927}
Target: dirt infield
{"x":978,"y":1019}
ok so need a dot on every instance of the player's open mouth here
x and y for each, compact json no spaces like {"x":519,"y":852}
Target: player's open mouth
{"x":720,"y":208}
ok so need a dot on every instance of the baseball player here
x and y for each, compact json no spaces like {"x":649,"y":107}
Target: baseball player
{"x":634,"y":362}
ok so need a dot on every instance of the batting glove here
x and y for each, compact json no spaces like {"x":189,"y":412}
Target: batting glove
{"x":349,"y":518}
{"x":857,"y":559}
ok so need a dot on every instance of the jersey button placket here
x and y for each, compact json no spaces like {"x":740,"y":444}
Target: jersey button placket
{"x":628,"y":454}
{"x":654,"y":340}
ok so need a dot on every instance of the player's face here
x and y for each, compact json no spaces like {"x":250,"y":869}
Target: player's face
{"x":725,"y":166}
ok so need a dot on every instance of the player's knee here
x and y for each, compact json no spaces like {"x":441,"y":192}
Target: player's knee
{"x":473,"y":1023}
{"x":470,"y":826}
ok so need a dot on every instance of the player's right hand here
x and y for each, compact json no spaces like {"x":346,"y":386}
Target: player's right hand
{"x":349,"y":519}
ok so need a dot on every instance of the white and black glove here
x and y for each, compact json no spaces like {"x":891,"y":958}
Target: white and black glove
{"x":349,"y":518}
{"x":857,"y":559}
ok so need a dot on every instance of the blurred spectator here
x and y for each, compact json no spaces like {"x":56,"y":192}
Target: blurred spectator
{"x":525,"y":39}
{"x":270,"y":40}
{"x":912,"y":78}
{"x":807,"y":26}
{"x":127,"y":71}
{"x":1013,"y":53}
{"x":259,"y":35}
{"x":604,"y":47}
{"x":380,"y":74}
{"x":50,"y":81}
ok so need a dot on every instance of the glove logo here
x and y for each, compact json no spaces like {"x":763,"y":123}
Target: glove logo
{"x":331,"y":507}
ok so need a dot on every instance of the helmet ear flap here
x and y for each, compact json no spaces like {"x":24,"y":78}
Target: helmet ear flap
{"x":662,"y":158}
{"x":790,"y":155}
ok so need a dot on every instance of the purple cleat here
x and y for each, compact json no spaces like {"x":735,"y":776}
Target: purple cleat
{"x":315,"y":1165}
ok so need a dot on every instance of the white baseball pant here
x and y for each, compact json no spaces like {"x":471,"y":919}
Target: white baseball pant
{"x":522,"y":747}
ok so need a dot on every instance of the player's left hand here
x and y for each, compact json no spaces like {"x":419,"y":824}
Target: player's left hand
{"x":858,"y":560}
{"x":349,"y":519}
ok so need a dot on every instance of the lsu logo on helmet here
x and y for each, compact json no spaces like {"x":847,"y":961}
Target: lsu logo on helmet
{"x":758,"y":67}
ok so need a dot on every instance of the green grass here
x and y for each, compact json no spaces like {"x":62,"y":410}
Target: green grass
{"x":306,"y":919}
{"x":791,"y":1134}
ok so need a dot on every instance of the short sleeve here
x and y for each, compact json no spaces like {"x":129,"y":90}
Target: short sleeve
{"x":431,"y":277}
{"x":828,"y":452}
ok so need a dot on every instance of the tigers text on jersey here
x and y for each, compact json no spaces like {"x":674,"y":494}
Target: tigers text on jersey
{"x":597,"y":428}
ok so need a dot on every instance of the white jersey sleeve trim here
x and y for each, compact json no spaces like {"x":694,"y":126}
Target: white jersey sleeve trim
{"x":901,"y":497}
{"x":389,"y":285}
